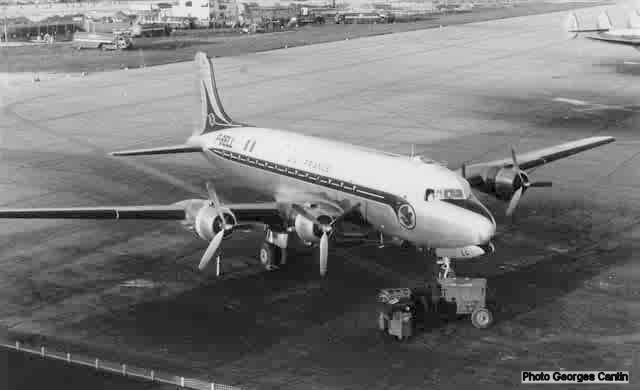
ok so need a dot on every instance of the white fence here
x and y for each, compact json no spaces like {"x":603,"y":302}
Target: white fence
{"x":119,"y":368}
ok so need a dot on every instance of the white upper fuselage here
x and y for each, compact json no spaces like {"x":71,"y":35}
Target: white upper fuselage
{"x":391,"y":189}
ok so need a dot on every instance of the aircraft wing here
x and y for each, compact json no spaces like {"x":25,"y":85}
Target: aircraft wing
{"x":538,"y":157}
{"x":246,"y":213}
{"x":110,"y":212}
{"x":623,"y":40}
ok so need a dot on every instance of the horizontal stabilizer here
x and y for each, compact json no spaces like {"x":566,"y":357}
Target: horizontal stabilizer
{"x":573,"y":25}
{"x":163,"y":150}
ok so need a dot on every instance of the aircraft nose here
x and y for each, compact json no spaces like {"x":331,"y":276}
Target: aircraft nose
{"x":483,"y":230}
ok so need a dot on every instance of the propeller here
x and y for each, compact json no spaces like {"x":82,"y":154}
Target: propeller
{"x":327,"y":229}
{"x":524,"y":184}
{"x":217,"y":239}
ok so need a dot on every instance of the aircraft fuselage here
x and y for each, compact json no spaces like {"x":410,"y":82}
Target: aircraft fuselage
{"x":421,"y":202}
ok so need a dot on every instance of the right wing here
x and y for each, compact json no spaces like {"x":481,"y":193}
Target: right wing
{"x":246,"y":213}
{"x":110,"y":212}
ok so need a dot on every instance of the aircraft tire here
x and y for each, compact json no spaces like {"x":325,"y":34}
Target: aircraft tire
{"x":481,"y":318}
{"x":268,"y":255}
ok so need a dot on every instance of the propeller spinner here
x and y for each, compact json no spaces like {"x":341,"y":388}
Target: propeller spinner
{"x":217,"y":239}
{"x":327,"y":229}
{"x":523,"y":185}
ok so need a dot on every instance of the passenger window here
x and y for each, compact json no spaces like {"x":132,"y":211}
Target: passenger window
{"x":429,"y":195}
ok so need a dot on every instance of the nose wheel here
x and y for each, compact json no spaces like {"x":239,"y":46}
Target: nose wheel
{"x":446,"y":270}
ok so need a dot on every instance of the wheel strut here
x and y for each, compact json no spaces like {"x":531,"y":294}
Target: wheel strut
{"x":446,"y":269}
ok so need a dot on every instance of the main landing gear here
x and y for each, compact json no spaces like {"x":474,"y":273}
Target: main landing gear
{"x":273,"y":251}
{"x":446,"y":270}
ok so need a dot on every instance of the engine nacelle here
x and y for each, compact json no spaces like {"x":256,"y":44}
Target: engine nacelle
{"x":503,"y":182}
{"x":208,"y":222}
{"x":307,"y":230}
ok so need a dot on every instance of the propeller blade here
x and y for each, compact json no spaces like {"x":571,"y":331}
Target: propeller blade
{"x":324,"y":253}
{"x":541,"y":184}
{"x":211,"y":250}
{"x":212,"y":194}
{"x":513,"y":203}
{"x":515,"y":160}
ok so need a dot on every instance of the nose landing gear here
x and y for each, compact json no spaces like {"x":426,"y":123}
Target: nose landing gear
{"x":446,"y":270}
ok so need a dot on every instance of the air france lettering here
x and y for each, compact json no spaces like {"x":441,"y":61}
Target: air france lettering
{"x":226,"y":141}
{"x":316,"y":166}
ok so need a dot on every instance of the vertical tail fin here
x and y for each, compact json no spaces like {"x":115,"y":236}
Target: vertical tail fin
{"x":213,"y":117}
{"x":572,"y":25}
{"x":634,"y":19}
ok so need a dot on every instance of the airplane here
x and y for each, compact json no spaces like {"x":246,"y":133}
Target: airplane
{"x":315,"y":183}
{"x":605,"y":31}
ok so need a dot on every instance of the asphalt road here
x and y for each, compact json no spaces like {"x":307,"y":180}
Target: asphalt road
{"x":564,"y":273}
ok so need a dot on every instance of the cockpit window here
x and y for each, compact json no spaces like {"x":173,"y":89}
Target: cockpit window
{"x":429,"y":195}
{"x":443,"y":193}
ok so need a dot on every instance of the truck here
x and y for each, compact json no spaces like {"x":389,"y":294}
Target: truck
{"x":309,"y":16}
{"x":401,"y":311}
{"x":103,"y":41}
{"x":363,"y":17}
{"x":150,"y":30}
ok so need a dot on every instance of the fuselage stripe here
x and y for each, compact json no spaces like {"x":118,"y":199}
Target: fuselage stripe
{"x":308,"y":177}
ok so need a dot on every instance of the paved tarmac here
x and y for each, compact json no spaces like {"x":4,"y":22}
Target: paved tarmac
{"x":564,"y":274}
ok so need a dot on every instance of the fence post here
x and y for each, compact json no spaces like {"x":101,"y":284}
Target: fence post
{"x":17,"y":345}
{"x":153,"y":375}
{"x":97,"y":363}
{"x":42,"y":350}
{"x":213,"y":386}
{"x":124,"y":369}
{"x":68,"y":357}
{"x":181,"y":381}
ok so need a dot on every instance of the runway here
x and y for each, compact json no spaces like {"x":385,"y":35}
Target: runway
{"x":564,"y":272}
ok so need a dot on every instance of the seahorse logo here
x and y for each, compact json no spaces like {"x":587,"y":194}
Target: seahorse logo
{"x":407,"y":216}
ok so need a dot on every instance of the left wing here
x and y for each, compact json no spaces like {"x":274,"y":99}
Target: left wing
{"x":540,"y":157}
{"x":507,"y":180}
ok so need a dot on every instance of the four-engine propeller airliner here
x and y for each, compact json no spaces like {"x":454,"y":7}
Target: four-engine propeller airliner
{"x":604,"y":30}
{"x":315,"y":183}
